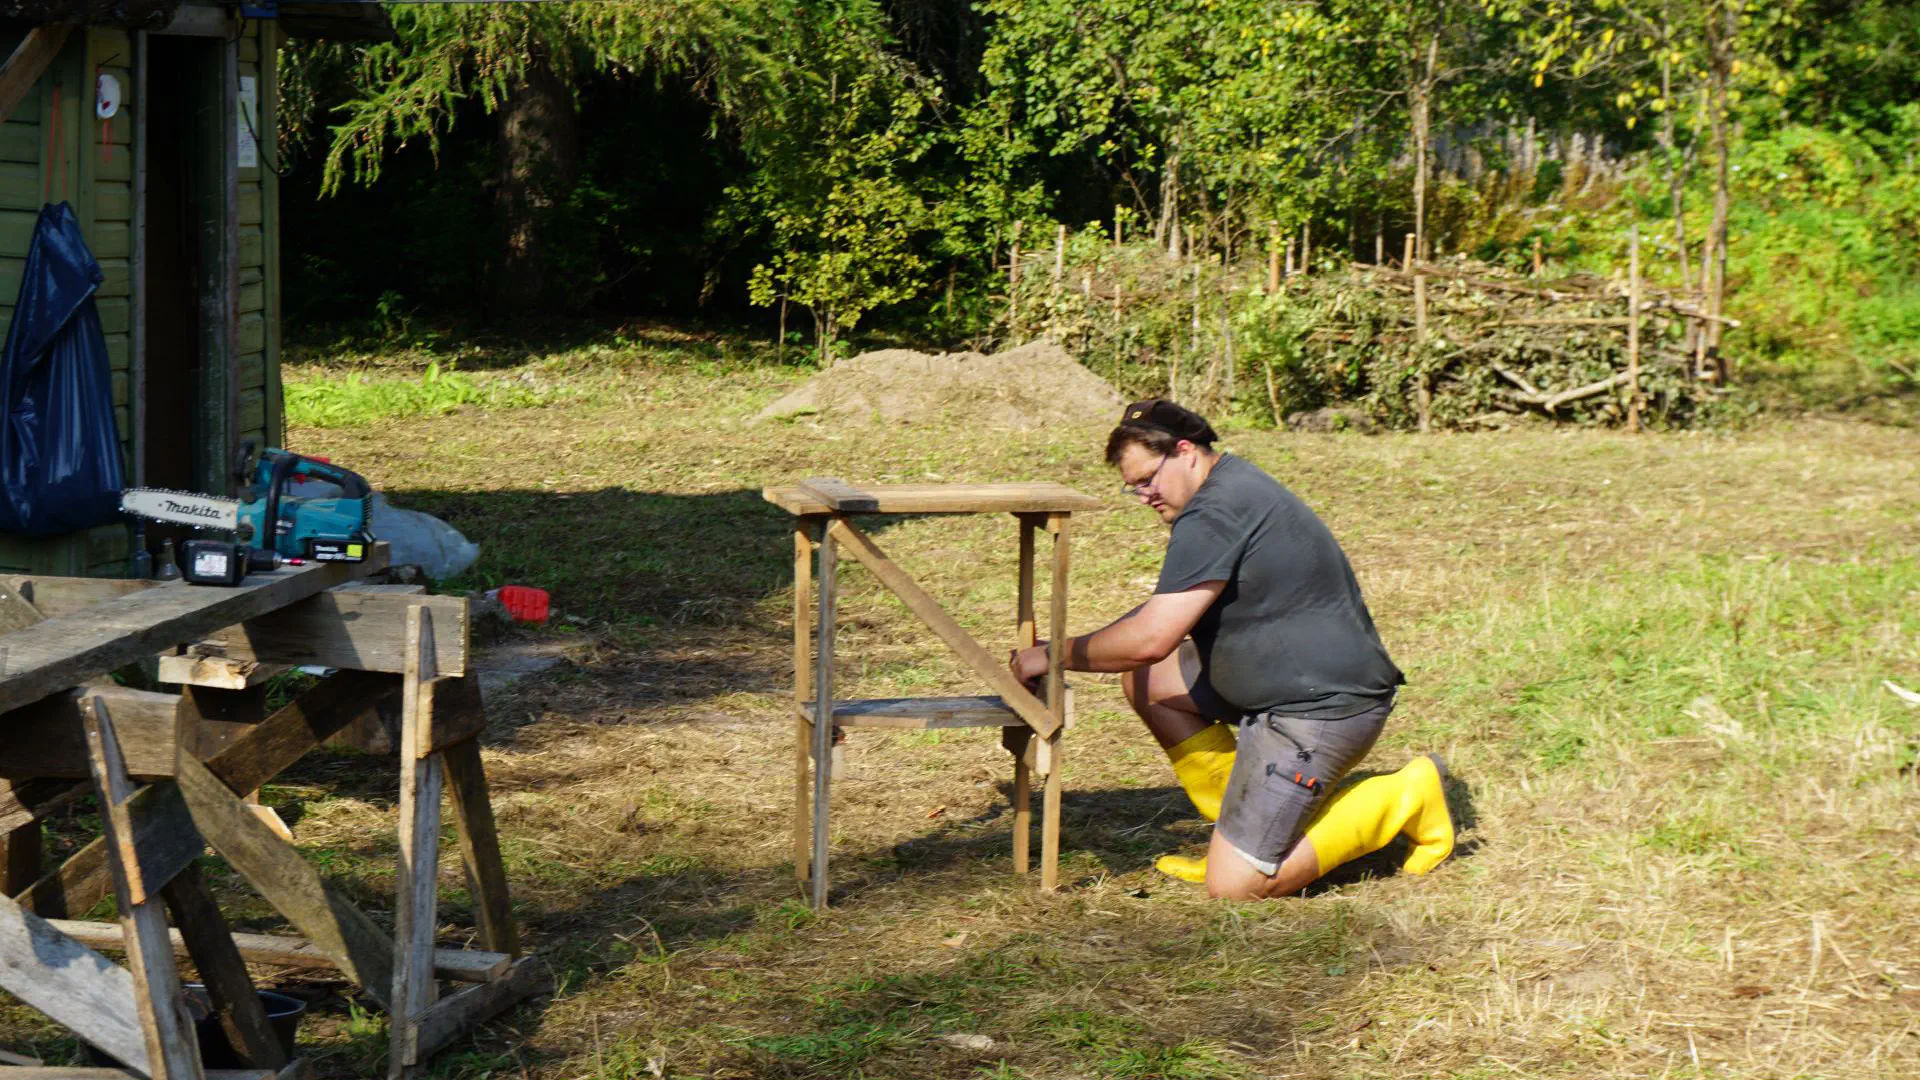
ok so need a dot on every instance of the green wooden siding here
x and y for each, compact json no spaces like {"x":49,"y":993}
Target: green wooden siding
{"x":92,"y":167}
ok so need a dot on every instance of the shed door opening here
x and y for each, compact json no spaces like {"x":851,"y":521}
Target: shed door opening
{"x":183,"y":405}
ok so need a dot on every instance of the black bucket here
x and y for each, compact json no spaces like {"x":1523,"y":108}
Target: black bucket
{"x":216,"y":1052}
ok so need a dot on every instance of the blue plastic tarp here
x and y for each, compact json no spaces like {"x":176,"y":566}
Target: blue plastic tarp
{"x":59,"y":444}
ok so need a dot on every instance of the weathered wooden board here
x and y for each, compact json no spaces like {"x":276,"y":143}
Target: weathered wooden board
{"x":929,"y":712}
{"x":66,"y":650}
{"x":216,"y":672}
{"x":82,"y":990}
{"x":230,"y":990}
{"x":28,"y":62}
{"x":30,"y":800}
{"x":455,"y":1014}
{"x":291,"y":1072}
{"x":839,"y":495}
{"x":252,"y":760}
{"x":73,"y":1073}
{"x":281,"y":950}
{"x":362,"y":951}
{"x":159,"y":1002}
{"x":16,"y":613}
{"x":1026,"y":498}
{"x":480,"y":846}
{"x":55,"y":595}
{"x":48,"y":738}
{"x":416,"y":880}
{"x":347,"y":628}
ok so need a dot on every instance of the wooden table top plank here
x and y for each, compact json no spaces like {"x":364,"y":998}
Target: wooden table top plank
{"x":1042,"y":497}
{"x":67,"y":650}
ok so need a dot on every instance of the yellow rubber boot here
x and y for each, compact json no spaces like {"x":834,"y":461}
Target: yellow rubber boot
{"x":1367,"y":816}
{"x":1202,"y":763}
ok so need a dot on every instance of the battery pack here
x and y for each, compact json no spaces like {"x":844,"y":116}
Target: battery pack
{"x":223,"y":562}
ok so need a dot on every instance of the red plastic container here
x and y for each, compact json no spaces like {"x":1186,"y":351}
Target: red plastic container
{"x":524,"y":602}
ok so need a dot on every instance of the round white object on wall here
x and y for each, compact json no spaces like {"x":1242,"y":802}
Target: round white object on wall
{"x":106,"y":96}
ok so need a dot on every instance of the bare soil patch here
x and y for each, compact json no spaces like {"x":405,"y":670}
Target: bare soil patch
{"x":1034,"y":385}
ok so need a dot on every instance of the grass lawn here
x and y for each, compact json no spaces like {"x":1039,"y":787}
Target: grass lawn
{"x":1655,"y":664}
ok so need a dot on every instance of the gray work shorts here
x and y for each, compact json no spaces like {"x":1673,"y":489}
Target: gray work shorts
{"x":1283,"y":771}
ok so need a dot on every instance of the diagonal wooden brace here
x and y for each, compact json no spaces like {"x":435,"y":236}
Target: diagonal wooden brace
{"x":1017,"y":697}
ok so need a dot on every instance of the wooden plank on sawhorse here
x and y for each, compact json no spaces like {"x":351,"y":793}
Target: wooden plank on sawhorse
{"x":1022,"y":498}
{"x":840,"y":496}
{"x":69,"y":649}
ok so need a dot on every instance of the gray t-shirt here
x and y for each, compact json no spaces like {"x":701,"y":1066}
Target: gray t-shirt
{"x":1289,"y":632}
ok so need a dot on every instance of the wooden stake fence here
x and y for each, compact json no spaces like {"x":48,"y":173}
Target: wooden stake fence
{"x":1633,"y":329}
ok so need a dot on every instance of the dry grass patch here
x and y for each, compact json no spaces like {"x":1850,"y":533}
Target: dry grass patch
{"x":1655,"y":664}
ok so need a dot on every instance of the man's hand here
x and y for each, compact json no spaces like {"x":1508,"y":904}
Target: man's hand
{"x":1029,"y":665}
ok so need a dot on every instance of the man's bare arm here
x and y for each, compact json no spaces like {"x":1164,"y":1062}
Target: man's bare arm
{"x":1146,"y":635}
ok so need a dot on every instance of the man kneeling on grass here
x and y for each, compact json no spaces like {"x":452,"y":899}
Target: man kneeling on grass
{"x":1257,"y":666}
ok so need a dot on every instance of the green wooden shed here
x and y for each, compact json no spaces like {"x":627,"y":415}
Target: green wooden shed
{"x":155,"y":119}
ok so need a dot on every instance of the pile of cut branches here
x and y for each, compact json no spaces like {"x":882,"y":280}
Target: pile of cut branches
{"x":1495,"y":347}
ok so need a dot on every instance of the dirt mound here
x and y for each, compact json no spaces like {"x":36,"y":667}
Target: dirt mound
{"x":1032,"y":385}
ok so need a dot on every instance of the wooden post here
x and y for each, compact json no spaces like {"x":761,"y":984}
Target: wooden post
{"x":1423,"y":389}
{"x":802,"y":728}
{"x":1059,"y":255}
{"x":172,"y":1051}
{"x":1013,"y":284}
{"x":20,"y":856}
{"x":1633,"y":329}
{"x":1289,"y":272}
{"x":1538,"y":266}
{"x":1380,"y":247}
{"x":1056,"y":704}
{"x":1306,"y":247}
{"x":416,"y":878}
{"x":823,"y":716}
{"x":1116,"y":225}
{"x":1018,"y":740}
{"x":1273,"y":260}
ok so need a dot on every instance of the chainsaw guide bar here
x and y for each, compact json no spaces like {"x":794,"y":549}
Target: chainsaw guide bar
{"x":182,"y":508}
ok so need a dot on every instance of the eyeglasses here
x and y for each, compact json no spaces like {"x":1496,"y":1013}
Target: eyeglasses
{"x":1140,"y":490}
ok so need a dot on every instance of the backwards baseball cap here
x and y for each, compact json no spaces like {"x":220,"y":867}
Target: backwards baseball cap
{"x":1160,"y":414}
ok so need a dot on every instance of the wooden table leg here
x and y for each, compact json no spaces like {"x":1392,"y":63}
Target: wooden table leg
{"x":802,"y":729}
{"x":1019,"y":741}
{"x":1056,"y":704}
{"x":823,"y":717}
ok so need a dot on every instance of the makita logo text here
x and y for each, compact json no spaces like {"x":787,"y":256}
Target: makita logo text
{"x":191,"y":509}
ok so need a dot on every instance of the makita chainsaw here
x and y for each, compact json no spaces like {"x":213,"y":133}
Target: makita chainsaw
{"x":321,"y":529}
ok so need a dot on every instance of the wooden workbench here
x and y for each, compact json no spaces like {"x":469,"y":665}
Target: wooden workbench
{"x":1031,"y":728}
{"x":172,"y":772}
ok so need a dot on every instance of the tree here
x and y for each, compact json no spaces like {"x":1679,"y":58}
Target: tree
{"x":522,"y":64}
{"x":843,"y":216}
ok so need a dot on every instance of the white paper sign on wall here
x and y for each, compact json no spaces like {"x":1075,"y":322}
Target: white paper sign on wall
{"x":248,"y":123}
